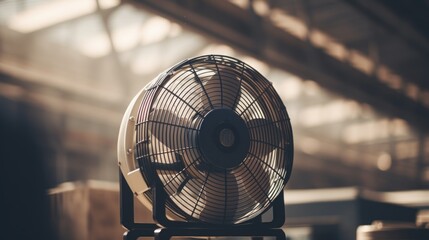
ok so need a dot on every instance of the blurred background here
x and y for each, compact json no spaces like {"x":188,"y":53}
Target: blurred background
{"x":353,"y":75}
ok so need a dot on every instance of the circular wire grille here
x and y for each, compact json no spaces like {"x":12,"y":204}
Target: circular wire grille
{"x":168,"y":143}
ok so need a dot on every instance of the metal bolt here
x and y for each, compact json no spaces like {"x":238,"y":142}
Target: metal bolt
{"x":129,"y":151}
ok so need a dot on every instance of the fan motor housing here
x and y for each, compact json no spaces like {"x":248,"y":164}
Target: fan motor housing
{"x":223,"y":139}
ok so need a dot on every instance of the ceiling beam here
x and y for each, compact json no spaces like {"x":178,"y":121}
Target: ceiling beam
{"x":107,"y":11}
{"x":381,"y":15}
{"x":256,"y":36}
{"x":31,"y":83}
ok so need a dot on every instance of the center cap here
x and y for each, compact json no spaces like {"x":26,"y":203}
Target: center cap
{"x":223,"y":138}
{"x":226,"y":137}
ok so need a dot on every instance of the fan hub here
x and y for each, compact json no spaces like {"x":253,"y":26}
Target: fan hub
{"x":223,"y":138}
{"x":226,"y":137}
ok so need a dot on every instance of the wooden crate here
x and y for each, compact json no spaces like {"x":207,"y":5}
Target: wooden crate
{"x":90,"y":211}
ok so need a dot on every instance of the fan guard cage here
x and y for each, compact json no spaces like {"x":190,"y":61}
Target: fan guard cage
{"x":161,"y":141}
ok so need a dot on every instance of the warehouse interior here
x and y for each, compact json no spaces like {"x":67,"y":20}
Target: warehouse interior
{"x":353,"y":75}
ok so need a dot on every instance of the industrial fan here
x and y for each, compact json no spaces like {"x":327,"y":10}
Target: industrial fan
{"x":212,"y":137}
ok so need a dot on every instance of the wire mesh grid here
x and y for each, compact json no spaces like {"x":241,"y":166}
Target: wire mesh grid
{"x":168,"y":127}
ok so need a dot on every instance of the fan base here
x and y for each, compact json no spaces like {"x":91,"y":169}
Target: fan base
{"x":168,"y":233}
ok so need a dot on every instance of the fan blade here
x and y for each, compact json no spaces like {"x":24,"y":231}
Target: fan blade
{"x":170,"y":170}
{"x":265,"y":135}
{"x":216,"y":195}
{"x":258,"y":188}
{"x":174,"y":166}
{"x":222,"y":90}
{"x":169,"y":129}
{"x":255,"y":179}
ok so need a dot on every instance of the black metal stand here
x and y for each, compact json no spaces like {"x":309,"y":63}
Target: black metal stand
{"x":167,"y":233}
{"x":253,"y":228}
{"x":135,"y":230}
{"x":126,"y":202}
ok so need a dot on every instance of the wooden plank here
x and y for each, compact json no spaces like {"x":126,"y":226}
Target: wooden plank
{"x":90,"y":211}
